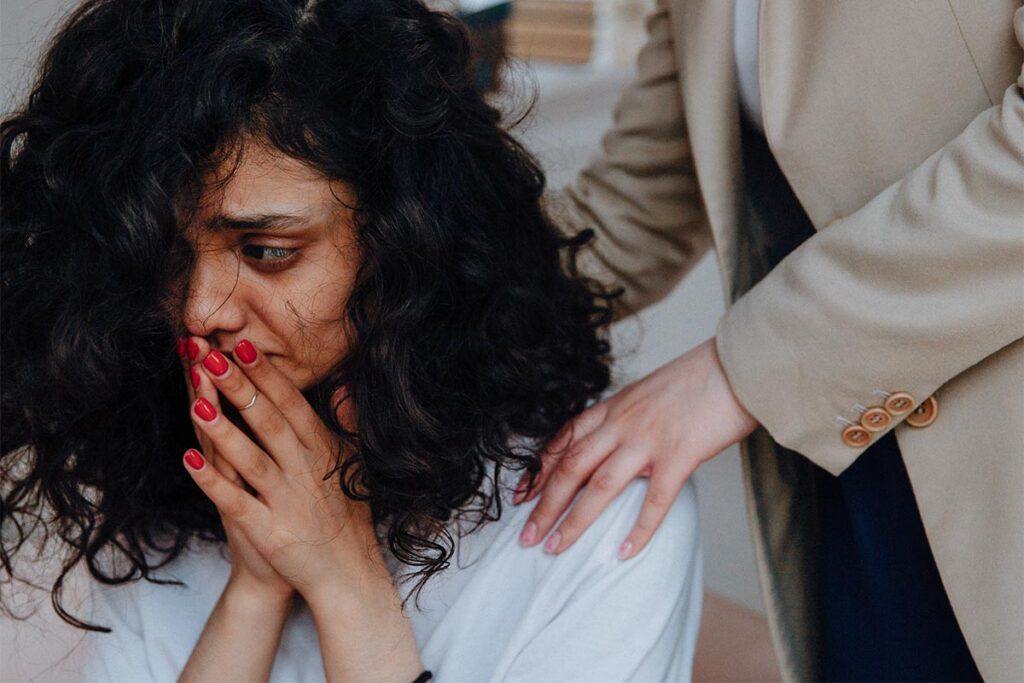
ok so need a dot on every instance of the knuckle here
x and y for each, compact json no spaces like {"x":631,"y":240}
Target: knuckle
{"x":273,"y":423}
{"x":589,"y":418}
{"x":538,"y":521}
{"x":659,"y":499}
{"x":570,"y":529}
{"x":558,"y":442}
{"x":257,"y":467}
{"x":645,"y":526}
{"x":545,"y":513}
{"x":571,"y":463}
{"x":291,"y":402}
{"x":603,"y":482}
{"x":234,"y":507}
{"x":233,"y":384}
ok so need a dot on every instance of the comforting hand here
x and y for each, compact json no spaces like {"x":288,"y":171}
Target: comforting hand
{"x":307,"y":531}
{"x":662,"y":426}
{"x":248,"y":568}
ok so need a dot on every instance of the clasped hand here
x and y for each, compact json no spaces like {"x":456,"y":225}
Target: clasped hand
{"x":289,"y":529}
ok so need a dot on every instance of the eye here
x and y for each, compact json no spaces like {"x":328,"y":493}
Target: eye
{"x":268,"y":257}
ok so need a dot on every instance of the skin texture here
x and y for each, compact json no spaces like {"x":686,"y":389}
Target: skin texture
{"x":288,"y":529}
{"x":289,"y":303}
{"x":662,"y":426}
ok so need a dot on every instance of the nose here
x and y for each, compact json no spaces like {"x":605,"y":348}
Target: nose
{"x":215,"y":298}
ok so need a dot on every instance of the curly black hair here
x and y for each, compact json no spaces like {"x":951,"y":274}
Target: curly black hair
{"x":475,"y":336}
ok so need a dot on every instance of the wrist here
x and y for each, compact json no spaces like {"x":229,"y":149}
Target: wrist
{"x":363,"y":628}
{"x":352,"y":574}
{"x":246,"y":595}
{"x":352,"y":595}
{"x":741,"y":421}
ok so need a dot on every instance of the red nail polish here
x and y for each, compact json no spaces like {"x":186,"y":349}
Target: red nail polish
{"x":194,"y":459}
{"x":193,"y":349}
{"x":195,"y":378}
{"x":216,"y":363}
{"x":245,"y":351}
{"x":205,"y":409}
{"x":181,"y":346}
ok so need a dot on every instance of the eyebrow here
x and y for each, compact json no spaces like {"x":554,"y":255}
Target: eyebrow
{"x":264,"y":222}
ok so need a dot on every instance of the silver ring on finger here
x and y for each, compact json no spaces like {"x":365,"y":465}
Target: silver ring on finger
{"x":251,"y":401}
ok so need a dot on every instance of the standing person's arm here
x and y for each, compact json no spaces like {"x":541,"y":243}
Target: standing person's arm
{"x":640,"y":195}
{"x":921,"y":283}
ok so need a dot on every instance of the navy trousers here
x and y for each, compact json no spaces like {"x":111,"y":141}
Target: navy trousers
{"x":886,"y":615}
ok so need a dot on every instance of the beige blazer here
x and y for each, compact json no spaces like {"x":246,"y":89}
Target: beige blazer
{"x":900,"y":126}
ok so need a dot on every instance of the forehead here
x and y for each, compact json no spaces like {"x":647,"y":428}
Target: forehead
{"x":262,"y":181}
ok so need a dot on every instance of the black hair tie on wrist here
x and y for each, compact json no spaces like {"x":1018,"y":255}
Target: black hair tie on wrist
{"x":423,"y":677}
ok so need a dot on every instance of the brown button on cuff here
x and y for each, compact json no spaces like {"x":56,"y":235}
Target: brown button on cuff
{"x":899,"y":403}
{"x":924,"y":414}
{"x":856,"y":436}
{"x":875,"y":419}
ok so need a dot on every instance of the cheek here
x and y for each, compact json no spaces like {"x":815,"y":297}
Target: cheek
{"x":317,"y":313}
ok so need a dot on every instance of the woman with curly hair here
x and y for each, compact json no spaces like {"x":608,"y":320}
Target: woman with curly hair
{"x":377,"y":329}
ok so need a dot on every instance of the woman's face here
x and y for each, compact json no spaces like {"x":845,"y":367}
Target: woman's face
{"x":276,"y":257}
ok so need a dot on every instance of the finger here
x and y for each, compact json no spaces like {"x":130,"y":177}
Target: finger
{"x":192,"y":385}
{"x":231,"y":500}
{"x":284,"y":395}
{"x":251,"y":461}
{"x":662,"y":491}
{"x":573,"y":470}
{"x":186,"y":368}
{"x":200,"y":385}
{"x":575,"y":430}
{"x":269,"y":426}
{"x":607,"y":482}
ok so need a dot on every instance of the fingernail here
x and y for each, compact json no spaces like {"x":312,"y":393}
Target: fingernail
{"x":205,"y":409}
{"x":216,"y":363}
{"x":194,"y":459}
{"x":195,"y":377}
{"x":552,"y":543}
{"x":624,"y":549}
{"x":528,"y":534}
{"x":193,"y":349}
{"x":245,"y":351}
{"x":519,"y":491}
{"x":181,"y":346}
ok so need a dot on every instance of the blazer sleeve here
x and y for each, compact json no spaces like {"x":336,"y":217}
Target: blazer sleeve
{"x":640,"y":195}
{"x":922,"y":282}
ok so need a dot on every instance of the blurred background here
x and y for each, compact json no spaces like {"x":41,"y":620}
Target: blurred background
{"x":575,"y":56}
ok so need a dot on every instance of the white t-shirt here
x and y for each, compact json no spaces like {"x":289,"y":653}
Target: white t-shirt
{"x":501,"y":612}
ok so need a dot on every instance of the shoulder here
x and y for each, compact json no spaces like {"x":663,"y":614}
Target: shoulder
{"x":672,"y":553}
{"x":675,"y":544}
{"x":580,"y":615}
